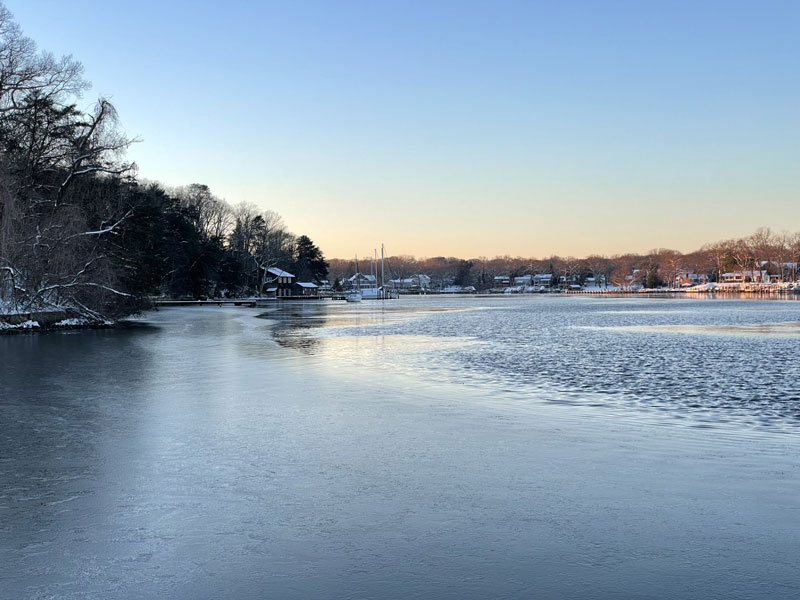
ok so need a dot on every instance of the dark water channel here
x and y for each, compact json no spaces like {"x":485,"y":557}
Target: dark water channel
{"x":427,"y":448}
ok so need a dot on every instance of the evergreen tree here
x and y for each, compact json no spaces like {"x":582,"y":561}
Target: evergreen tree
{"x":309,"y":262}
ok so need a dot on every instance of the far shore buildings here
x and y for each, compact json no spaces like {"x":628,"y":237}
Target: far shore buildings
{"x":745,"y":276}
{"x":581,"y":278}
{"x":361,"y":281}
{"x":415,"y":283}
{"x":688,"y":278}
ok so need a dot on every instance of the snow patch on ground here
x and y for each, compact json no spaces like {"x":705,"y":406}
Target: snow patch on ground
{"x":25,"y":325}
{"x":72,"y":323}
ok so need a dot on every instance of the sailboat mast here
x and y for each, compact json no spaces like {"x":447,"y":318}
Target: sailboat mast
{"x":383,"y":284}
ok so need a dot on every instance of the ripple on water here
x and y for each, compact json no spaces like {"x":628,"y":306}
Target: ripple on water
{"x":730,"y":363}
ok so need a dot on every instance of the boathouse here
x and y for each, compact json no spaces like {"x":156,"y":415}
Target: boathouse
{"x":281,"y":282}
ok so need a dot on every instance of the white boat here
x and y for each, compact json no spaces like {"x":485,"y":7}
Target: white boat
{"x":374,"y":294}
{"x":370,"y":289}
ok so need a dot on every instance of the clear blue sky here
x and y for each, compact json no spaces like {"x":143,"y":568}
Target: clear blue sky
{"x":459,"y":128}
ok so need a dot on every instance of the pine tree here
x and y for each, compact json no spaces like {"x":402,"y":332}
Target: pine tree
{"x":309,"y":262}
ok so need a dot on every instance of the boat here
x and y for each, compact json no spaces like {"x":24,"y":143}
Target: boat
{"x":355,"y":295}
{"x":370,"y":289}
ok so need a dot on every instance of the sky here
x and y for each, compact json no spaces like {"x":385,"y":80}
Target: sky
{"x":458,"y":128}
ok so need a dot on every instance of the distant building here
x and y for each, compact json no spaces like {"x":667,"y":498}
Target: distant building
{"x":594,"y":282}
{"x":415,"y":283}
{"x":543,"y":279}
{"x":743,"y":276}
{"x":786,"y":271}
{"x":523,"y":280}
{"x":688,"y":278}
{"x":361,"y":281}
{"x":501,"y":281}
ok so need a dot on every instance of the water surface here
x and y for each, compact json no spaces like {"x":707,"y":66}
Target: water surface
{"x":576,"y":447}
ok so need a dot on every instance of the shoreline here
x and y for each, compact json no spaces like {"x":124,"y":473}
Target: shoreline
{"x":46,"y":321}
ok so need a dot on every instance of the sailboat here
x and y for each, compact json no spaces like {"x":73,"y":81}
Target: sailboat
{"x":371,"y":291}
{"x":355,"y":295}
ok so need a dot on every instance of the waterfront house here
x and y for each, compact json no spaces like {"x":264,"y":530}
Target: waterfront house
{"x":281,"y":282}
{"x":543,"y":279}
{"x":501,"y":281}
{"x":688,"y":278}
{"x":305,"y":288}
{"x":524,"y":280}
{"x":361,"y":281}
{"x":416,"y":283}
{"x":743,"y":276}
{"x":595,"y":282}
{"x":786,"y":271}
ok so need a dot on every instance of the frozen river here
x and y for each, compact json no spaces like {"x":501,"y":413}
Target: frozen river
{"x":543,"y":447}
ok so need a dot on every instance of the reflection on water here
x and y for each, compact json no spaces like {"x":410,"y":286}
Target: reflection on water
{"x":727,"y":362}
{"x":304,"y":326}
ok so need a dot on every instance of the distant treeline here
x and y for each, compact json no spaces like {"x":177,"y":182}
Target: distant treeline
{"x":79,"y":231}
{"x":776,"y":253}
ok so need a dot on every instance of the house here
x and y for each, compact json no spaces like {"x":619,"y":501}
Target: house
{"x":280,"y":283}
{"x":525,"y":280}
{"x":305,"y":288}
{"x":785,"y":271}
{"x":571,"y":281}
{"x":594,"y":282}
{"x":361,"y":281}
{"x":543,"y":279}
{"x":501,"y":281}
{"x":688,"y":278}
{"x":415,"y":283}
{"x":743,"y":276}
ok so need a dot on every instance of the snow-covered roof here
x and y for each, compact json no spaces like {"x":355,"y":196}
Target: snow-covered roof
{"x":362,"y":276}
{"x":279,"y":272}
{"x":272,"y":289}
{"x":306,"y":284}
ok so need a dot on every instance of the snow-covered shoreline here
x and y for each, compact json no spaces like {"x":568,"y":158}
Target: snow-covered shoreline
{"x":38,"y":322}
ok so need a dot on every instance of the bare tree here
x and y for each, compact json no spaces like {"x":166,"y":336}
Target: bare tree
{"x":24,"y":71}
{"x":57,"y":212}
{"x":212,"y":215}
{"x":669,"y":263}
